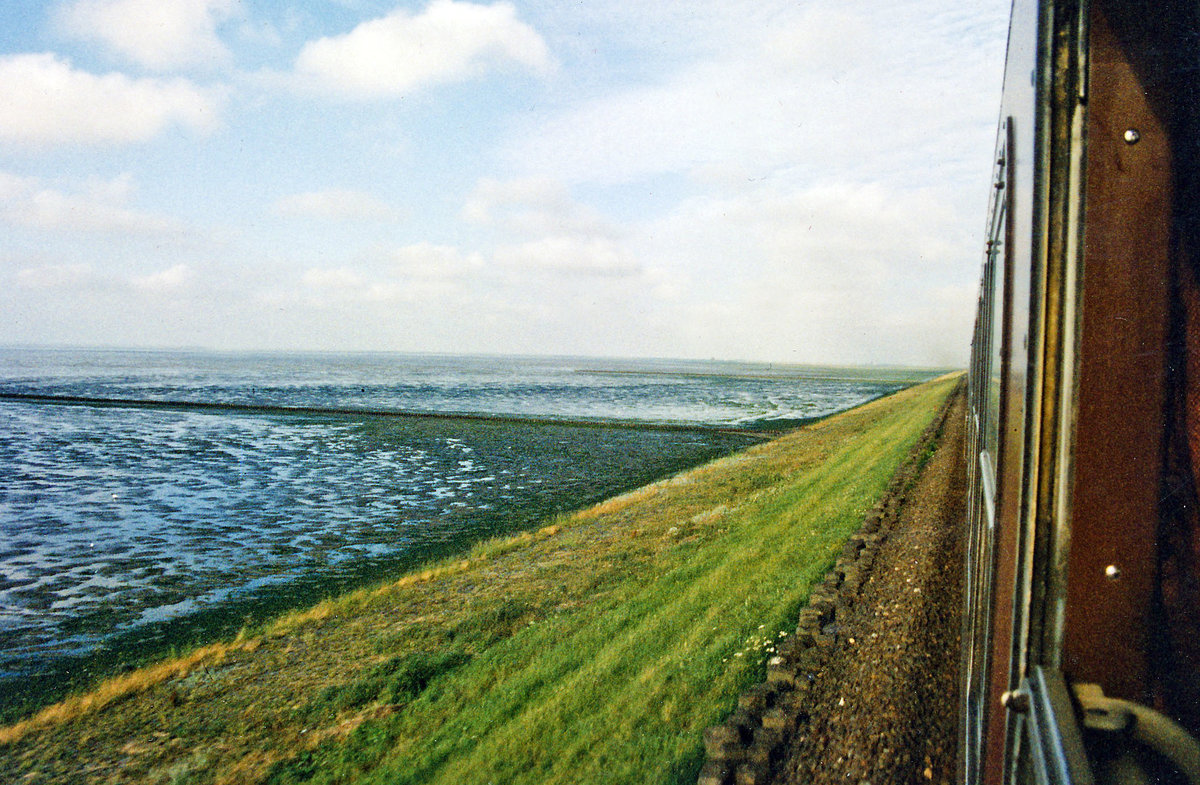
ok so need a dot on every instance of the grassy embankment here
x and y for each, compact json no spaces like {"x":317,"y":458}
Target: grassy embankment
{"x":595,"y":650}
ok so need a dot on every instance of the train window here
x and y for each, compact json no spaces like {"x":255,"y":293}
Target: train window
{"x":988,"y":367}
{"x":990,"y":343}
{"x":996,"y":251}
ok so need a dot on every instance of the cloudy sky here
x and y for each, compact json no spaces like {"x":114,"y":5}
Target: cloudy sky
{"x":740,"y":179}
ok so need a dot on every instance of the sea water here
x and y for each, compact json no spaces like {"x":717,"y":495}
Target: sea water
{"x":134,"y":523}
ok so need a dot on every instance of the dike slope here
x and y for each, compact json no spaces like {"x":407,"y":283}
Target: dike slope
{"x":596,"y":649}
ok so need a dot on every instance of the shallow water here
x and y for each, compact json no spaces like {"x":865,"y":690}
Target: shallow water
{"x":659,"y":391}
{"x":123,"y":528}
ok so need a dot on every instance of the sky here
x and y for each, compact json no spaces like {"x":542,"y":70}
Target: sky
{"x":793,"y":182}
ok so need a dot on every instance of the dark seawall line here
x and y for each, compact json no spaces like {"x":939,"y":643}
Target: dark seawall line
{"x":322,"y":411}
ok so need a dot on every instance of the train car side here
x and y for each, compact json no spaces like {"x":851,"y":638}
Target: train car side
{"x":1082,"y":531}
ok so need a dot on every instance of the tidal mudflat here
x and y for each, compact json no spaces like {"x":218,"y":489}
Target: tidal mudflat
{"x":192,"y":525}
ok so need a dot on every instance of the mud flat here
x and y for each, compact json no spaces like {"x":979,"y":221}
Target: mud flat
{"x":157,"y":539}
{"x":597,"y":648}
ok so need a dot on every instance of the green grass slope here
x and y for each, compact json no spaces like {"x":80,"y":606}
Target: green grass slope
{"x":596,"y":650}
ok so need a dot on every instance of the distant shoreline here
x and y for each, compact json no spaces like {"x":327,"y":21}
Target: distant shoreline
{"x":255,"y":408}
{"x":916,"y":377}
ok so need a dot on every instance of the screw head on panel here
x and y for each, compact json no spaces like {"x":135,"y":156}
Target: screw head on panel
{"x":1016,"y":701}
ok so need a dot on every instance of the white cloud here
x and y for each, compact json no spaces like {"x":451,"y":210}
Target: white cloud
{"x":323,"y":288}
{"x":332,"y":279}
{"x":640,"y":130}
{"x":97,"y":207}
{"x":554,"y":233}
{"x":337,"y":205}
{"x":14,"y":187}
{"x":854,"y":273}
{"x":156,"y":34}
{"x":837,"y":234}
{"x":84,"y":277}
{"x":430,"y":261}
{"x":788,"y":95}
{"x":48,"y":102}
{"x":531,"y":192}
{"x":533,"y":205}
{"x":448,"y":42}
{"x":171,"y":281}
{"x":566,"y":255}
{"x":830,"y":204}
{"x":422,"y":273}
{"x":816,"y":40}
{"x":58,"y":276}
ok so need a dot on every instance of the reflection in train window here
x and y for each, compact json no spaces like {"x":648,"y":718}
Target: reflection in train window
{"x":995,"y":268}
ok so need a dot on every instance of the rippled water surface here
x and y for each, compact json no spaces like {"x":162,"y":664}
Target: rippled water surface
{"x":120,"y":523}
{"x":662,"y":391}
